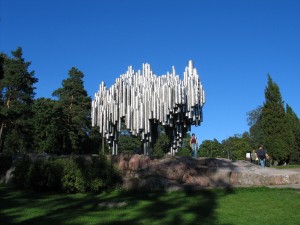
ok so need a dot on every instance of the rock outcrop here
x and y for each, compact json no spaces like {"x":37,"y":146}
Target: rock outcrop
{"x":175,"y":173}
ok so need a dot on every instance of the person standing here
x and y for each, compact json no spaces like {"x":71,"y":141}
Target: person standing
{"x":194,"y":145}
{"x":262,"y":156}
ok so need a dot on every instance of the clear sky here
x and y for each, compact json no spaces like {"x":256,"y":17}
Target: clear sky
{"x":234,"y":45}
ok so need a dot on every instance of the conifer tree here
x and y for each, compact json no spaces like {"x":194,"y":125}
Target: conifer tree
{"x":76,"y":105}
{"x":294,"y":124}
{"x":255,"y":122}
{"x":278,"y":137}
{"x":17,"y":93}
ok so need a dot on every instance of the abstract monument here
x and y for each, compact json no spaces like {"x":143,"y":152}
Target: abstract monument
{"x":139,"y":101}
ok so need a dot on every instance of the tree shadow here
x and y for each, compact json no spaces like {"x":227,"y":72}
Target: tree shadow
{"x":187,"y":207}
{"x":191,"y":205}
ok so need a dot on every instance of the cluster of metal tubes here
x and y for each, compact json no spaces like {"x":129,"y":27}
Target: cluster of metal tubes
{"x":140,"y":101}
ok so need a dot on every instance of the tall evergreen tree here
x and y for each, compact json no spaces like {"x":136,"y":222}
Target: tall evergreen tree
{"x":76,"y":105}
{"x":17,"y":93}
{"x":255,"y":122}
{"x":278,"y":137}
{"x":294,"y":124}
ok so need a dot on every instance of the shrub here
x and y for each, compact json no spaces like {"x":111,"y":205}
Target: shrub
{"x":75,"y":174}
{"x":184,"y":151}
{"x":161,"y":146}
{"x":73,"y":178}
{"x":20,"y":173}
{"x":5,"y":164}
{"x":45,"y":175}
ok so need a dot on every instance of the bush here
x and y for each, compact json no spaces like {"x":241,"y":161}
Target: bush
{"x":73,"y":179}
{"x":161,"y":146}
{"x":184,"y":151}
{"x":75,"y":174}
{"x":21,"y":172}
{"x":45,"y":175}
{"x":5,"y":164}
{"x":41,"y":174}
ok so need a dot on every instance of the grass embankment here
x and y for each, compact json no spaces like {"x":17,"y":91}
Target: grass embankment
{"x":234,"y":207}
{"x":288,"y":167}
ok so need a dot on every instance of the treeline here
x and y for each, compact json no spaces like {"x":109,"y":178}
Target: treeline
{"x":63,"y":125}
{"x":60,"y":126}
{"x":273,"y":124}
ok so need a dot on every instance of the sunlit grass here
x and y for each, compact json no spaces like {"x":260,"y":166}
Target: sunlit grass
{"x":236,"y":206}
{"x":287,"y":167}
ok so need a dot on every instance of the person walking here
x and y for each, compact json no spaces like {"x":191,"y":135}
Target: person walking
{"x":262,"y":156}
{"x":194,"y":145}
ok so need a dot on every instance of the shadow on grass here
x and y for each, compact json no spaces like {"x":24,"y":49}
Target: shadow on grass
{"x":168,"y":208}
{"x":186,"y":207}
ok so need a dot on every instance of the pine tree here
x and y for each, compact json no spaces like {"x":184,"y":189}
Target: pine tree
{"x":76,"y":105}
{"x":278,"y":137}
{"x":17,"y":93}
{"x":294,"y":124}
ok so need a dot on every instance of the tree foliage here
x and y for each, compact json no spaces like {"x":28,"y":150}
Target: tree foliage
{"x":162,"y":145}
{"x":129,"y":143}
{"x":185,"y":149}
{"x":294,"y":125}
{"x":254,"y":120}
{"x":48,"y":126}
{"x":278,"y":137}
{"x":212,"y":149}
{"x":237,"y":146}
{"x":17,"y":94}
{"x":76,"y":106}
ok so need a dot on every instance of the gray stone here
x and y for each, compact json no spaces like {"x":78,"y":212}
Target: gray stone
{"x":175,"y":173}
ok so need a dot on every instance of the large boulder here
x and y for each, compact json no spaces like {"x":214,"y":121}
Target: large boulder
{"x":173,"y":173}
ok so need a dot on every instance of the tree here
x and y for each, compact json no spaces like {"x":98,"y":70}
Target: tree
{"x":294,"y":124}
{"x":76,"y":105}
{"x":185,"y":149}
{"x":129,"y":143}
{"x":278,"y":137}
{"x":48,"y":126}
{"x":254,"y":120}
{"x":212,"y":148}
{"x":162,"y":145}
{"x":237,"y":146}
{"x":17,"y":94}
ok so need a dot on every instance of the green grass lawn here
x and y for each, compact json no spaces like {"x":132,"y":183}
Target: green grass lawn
{"x":227,"y":207}
{"x":288,"y":167}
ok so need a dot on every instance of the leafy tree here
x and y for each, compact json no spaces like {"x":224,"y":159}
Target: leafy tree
{"x":94,"y":142}
{"x":17,"y":93}
{"x":294,"y":124}
{"x":162,"y":145}
{"x":185,"y":149}
{"x":76,"y":105}
{"x":278,"y":137}
{"x":237,"y":146}
{"x":48,"y":126}
{"x":129,"y":143}
{"x":212,"y":149}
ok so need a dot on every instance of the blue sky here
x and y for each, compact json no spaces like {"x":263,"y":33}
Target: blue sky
{"x":234,"y":45}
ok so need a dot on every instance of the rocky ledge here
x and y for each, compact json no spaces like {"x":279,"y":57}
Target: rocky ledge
{"x":176,"y":173}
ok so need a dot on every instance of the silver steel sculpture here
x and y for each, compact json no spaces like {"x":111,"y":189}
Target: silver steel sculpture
{"x":140,"y":101}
